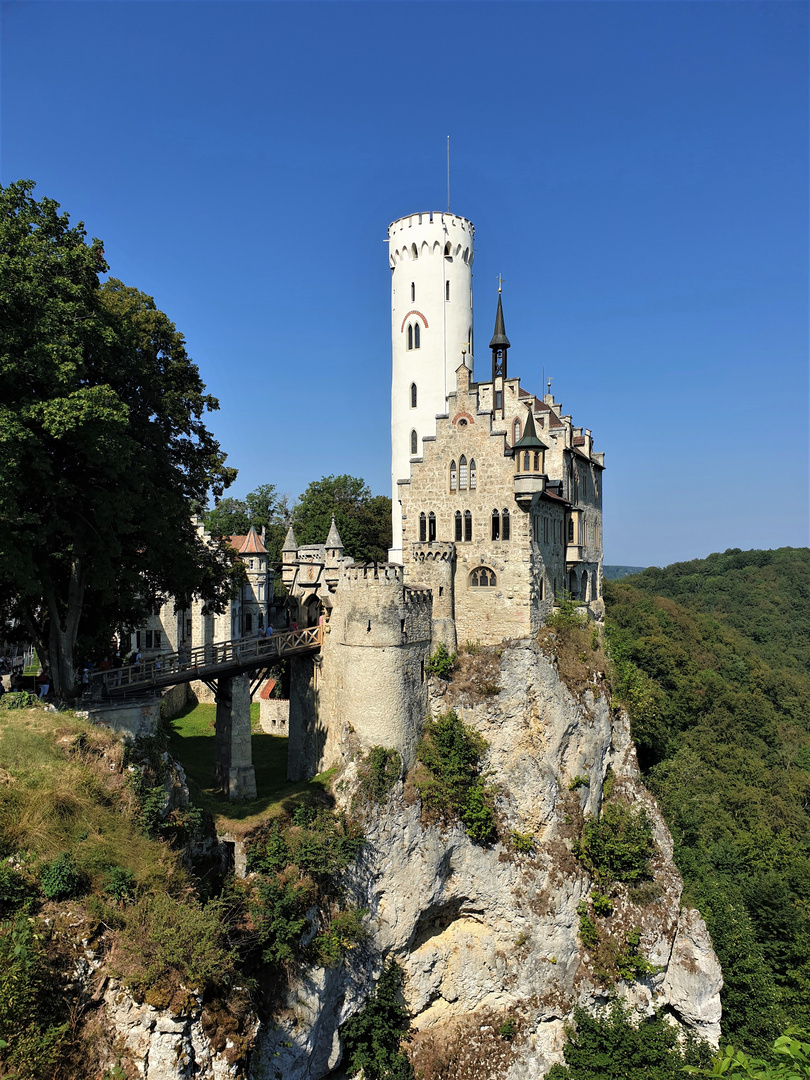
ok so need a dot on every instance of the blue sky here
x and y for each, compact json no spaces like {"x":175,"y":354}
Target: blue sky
{"x":638,"y":172}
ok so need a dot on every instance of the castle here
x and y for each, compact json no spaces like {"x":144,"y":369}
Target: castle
{"x":497,"y":513}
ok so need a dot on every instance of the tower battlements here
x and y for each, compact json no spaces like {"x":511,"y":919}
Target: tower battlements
{"x":371,"y":575}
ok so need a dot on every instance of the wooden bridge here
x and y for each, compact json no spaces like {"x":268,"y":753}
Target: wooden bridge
{"x":207,"y":663}
{"x":233,"y":670}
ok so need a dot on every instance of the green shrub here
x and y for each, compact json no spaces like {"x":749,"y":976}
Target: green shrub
{"x":441,"y":663}
{"x":343,"y":933}
{"x":508,"y":1029}
{"x":60,"y":879}
{"x":578,"y":782}
{"x":119,"y":884}
{"x":523,"y":842}
{"x":601,"y":905}
{"x":450,"y":784}
{"x":19,"y":699}
{"x":644,"y":894}
{"x":378,"y":772}
{"x":588,"y":934}
{"x":167,"y":942}
{"x":13,"y":887}
{"x":630,"y":964}
{"x":612,"y":1044}
{"x":372,"y":1038}
{"x":617,"y":846}
{"x":33,"y":1025}
{"x":566,"y":614}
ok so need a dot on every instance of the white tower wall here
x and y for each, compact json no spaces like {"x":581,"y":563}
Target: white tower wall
{"x":431,"y":285}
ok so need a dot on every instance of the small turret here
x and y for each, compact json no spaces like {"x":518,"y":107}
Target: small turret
{"x":334,"y":545}
{"x":499,"y":346}
{"x":530,"y":467}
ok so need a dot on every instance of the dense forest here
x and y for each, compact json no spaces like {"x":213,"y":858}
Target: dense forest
{"x":712,"y":658}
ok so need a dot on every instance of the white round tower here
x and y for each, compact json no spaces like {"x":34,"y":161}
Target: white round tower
{"x":431,"y":257}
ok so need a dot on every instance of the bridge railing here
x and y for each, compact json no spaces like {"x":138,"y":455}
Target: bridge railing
{"x":204,"y":661}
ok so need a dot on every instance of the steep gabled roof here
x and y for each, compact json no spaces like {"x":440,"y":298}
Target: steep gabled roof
{"x":499,"y":338}
{"x":529,"y":440}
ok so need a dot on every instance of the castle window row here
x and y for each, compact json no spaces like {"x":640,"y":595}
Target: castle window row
{"x":465,"y":476}
{"x":463,"y":527}
{"x":414,"y":335}
{"x":427,"y":527}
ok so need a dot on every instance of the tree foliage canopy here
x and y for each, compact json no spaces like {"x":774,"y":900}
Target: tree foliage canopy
{"x":712,"y":658}
{"x":104,"y":447}
{"x":363,"y":520}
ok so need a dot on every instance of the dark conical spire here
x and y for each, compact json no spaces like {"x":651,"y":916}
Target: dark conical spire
{"x":530,"y":441}
{"x":499,"y":338}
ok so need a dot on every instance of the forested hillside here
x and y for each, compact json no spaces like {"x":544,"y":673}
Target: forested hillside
{"x":712,"y":658}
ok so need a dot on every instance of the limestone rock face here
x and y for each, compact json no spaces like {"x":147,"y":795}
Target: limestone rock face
{"x":487,"y":934}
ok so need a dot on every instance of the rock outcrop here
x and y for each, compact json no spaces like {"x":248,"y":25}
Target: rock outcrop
{"x":485,"y":934}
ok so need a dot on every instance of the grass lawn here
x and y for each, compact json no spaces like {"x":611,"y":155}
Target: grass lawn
{"x":192,"y":743}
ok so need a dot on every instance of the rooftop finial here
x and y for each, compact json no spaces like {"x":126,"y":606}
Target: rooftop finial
{"x":500,"y":284}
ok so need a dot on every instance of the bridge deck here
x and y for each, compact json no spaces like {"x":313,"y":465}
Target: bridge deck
{"x":206,"y":662}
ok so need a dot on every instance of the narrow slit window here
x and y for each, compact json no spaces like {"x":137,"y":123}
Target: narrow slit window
{"x":413,"y":395}
{"x":447,"y":290}
{"x":414,"y":443}
{"x":413,"y":290}
{"x":473,"y":474}
{"x":467,"y":526}
{"x":431,"y":526}
{"x":505,"y":525}
{"x":417,"y":334}
{"x":516,"y":432}
{"x":422,"y":528}
{"x":458,"y":526}
{"x":410,"y":336}
{"x":496,"y":525}
{"x":453,"y":476}
{"x":526,"y":461}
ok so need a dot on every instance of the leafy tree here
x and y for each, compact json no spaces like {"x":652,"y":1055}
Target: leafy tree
{"x":363,"y":520}
{"x":372,"y":1037}
{"x":790,"y":1060}
{"x":104,"y":447}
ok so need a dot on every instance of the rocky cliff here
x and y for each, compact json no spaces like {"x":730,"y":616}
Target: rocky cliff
{"x":487,"y":934}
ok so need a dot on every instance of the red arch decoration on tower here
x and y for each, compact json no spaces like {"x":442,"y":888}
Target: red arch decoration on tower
{"x":413,"y":312}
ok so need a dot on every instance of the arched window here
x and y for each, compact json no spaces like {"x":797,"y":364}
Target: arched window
{"x":458,"y":526}
{"x":431,"y":526}
{"x":462,"y":473}
{"x":414,"y":252}
{"x":537,"y":461}
{"x":422,"y":527}
{"x":453,"y":478}
{"x":526,"y":461}
{"x":505,"y":525}
{"x":473,"y":474}
{"x":417,"y":333}
{"x":516,"y":432}
{"x":570,"y":530}
{"x":410,"y":336}
{"x":413,"y":290}
{"x":414,"y":442}
{"x":483,"y":578}
{"x":413,"y":395}
{"x":448,"y":251}
{"x":447,"y":290}
{"x":467,"y":526}
{"x":496,"y":525}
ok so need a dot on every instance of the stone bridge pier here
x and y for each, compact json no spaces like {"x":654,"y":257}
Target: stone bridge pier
{"x":233,"y":757}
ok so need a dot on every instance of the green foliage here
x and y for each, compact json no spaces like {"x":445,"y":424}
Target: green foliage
{"x":33,"y":1022}
{"x":712,"y":658}
{"x":372,"y":1038}
{"x":601,"y":905}
{"x":566,"y":614}
{"x":508,"y":1029}
{"x":19,"y":699}
{"x":450,"y":782}
{"x":578,"y":782}
{"x":378,"y":772}
{"x":13,"y":888}
{"x":343,"y":933}
{"x":363,"y":520}
{"x":119,"y":883}
{"x":60,"y":879}
{"x":263,"y":508}
{"x":588,"y":934}
{"x":102,"y":408}
{"x":296,"y":860}
{"x":168,"y":942}
{"x":523,"y":842}
{"x":611,"y":1046}
{"x":617,"y":846}
{"x":441,"y":662}
{"x":790,"y":1060}
{"x":630,"y":964}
